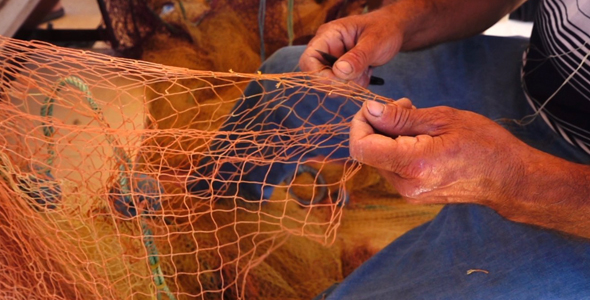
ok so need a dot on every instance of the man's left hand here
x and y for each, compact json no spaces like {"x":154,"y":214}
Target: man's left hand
{"x":439,"y":154}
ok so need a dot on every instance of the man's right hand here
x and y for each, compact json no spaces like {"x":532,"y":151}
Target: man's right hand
{"x":373,"y":39}
{"x":360,"y":42}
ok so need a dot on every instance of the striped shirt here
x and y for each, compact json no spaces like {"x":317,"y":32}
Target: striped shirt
{"x":556,"y":72}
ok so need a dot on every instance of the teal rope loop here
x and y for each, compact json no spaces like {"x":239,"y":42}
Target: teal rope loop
{"x":49,"y":130}
{"x":125,"y":164}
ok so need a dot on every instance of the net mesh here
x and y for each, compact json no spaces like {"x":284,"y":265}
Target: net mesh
{"x":123,"y":179}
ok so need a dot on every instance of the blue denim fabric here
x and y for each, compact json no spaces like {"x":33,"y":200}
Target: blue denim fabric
{"x":481,"y":74}
{"x":433,"y":260}
{"x":278,"y":109}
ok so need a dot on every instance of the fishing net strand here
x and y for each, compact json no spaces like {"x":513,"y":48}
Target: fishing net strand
{"x":125,"y":179}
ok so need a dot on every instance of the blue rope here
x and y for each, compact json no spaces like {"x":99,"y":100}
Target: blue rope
{"x":125,"y":164}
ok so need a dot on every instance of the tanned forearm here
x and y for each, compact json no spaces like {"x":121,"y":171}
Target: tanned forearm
{"x":428,"y":22}
{"x":443,"y":155}
{"x":551,"y":193}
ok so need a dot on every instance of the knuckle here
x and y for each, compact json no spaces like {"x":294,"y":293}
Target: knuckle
{"x":358,"y":58}
{"x":398,"y":116}
{"x":324,"y":27}
{"x":444,"y":112}
{"x":440,"y":118}
{"x":448,"y":115}
{"x":337,"y":25}
{"x":333,"y":29}
{"x":404,"y":102}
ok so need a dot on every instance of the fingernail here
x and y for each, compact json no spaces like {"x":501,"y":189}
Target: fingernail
{"x":344,"y":67}
{"x":375,"y":108}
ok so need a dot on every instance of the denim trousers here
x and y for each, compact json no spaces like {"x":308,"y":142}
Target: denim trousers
{"x":468,"y":251}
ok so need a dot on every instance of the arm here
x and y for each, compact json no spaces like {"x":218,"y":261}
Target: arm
{"x":374,"y":38}
{"x":444,"y":155}
{"x":552,"y":193}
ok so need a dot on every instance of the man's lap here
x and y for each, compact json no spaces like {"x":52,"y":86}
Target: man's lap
{"x":470,"y":252}
{"x":504,"y":259}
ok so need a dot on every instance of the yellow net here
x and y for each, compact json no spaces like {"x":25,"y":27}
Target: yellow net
{"x":123,"y":179}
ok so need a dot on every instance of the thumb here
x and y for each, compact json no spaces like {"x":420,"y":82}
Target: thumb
{"x":369,"y":51}
{"x":385,"y":147}
{"x":394,"y":119}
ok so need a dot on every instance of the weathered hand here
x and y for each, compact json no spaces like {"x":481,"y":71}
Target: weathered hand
{"x":440,"y":154}
{"x":372,"y":39}
{"x":359,"y":41}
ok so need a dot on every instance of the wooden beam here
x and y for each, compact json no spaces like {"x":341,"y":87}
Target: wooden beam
{"x":13,"y":14}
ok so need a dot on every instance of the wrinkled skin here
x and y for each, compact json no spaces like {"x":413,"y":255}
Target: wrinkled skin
{"x":426,"y":153}
{"x":444,"y":155}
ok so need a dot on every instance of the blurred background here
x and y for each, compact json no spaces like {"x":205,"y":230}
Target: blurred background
{"x":93,"y":24}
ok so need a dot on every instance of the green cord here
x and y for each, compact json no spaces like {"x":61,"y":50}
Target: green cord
{"x":182,"y":10}
{"x":49,"y":130}
{"x":261,"y":18}
{"x":154,"y":262}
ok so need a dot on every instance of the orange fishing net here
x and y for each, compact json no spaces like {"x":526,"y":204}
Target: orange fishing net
{"x":123,"y":179}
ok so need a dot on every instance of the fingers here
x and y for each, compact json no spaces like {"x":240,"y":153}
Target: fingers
{"x":372,"y":49}
{"x":402,"y":118}
{"x":405,"y":103}
{"x":364,"y":141}
{"x":395,"y":137}
{"x":394,"y":154}
{"x":440,"y":154}
{"x":331,"y":38}
{"x":358,"y":41}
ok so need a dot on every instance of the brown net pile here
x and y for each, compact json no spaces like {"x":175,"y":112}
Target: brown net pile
{"x":122,"y":179}
{"x":209,"y":25}
{"x":129,"y":24}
